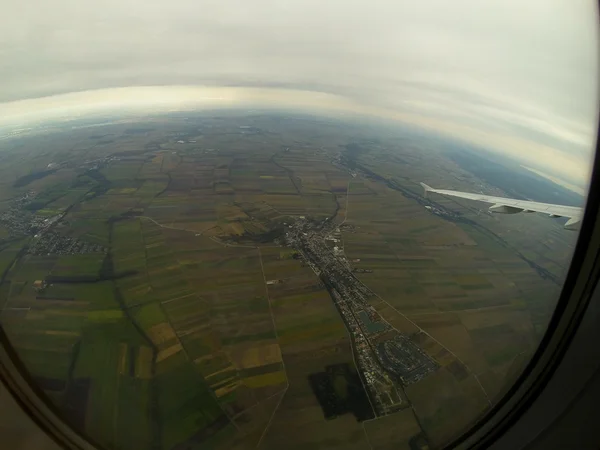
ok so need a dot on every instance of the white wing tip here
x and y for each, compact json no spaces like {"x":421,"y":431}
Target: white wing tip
{"x":573,"y":223}
{"x":426,"y":189}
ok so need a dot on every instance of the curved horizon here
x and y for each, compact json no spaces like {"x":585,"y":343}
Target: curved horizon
{"x":21,"y":114}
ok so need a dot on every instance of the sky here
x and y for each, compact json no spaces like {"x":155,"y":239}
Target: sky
{"x":517,"y":77}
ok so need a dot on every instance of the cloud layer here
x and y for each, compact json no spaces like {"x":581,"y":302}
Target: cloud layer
{"x":517,"y":76}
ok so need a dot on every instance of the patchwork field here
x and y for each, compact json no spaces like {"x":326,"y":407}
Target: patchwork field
{"x":166,"y":313}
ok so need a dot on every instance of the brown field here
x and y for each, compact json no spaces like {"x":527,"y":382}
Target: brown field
{"x":255,"y":354}
{"x":311,"y":335}
{"x":162,"y":333}
{"x":393,"y":432}
{"x":438,"y":397}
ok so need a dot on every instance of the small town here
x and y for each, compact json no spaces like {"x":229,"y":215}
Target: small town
{"x":386,"y":358}
{"x":45,"y":241}
{"x":52,"y":243}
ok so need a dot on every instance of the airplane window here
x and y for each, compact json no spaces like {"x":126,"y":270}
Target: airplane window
{"x":300,"y":224}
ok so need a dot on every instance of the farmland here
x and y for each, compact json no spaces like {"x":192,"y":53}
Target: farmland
{"x":183,"y":320}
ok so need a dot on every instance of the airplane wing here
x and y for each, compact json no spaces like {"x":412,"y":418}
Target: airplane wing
{"x":512,"y":206}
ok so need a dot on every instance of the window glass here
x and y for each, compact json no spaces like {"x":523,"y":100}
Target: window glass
{"x":338,"y":225}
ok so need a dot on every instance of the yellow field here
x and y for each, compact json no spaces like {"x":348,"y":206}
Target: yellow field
{"x":61,"y":333}
{"x":261,"y":355}
{"x":122,"y":364}
{"x":234,"y":380}
{"x":268,"y":379}
{"x":234,"y":228}
{"x":144,"y":363}
{"x":161,"y":333}
{"x":226,"y":389}
{"x":170,"y":351}
{"x":228,"y":368}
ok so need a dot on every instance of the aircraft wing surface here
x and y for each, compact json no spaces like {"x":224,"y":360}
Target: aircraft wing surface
{"x":512,"y":206}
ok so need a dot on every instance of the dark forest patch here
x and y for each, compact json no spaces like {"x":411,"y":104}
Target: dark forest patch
{"x":76,"y":400}
{"x":50,"y":384}
{"x":339,"y":391}
{"x":30,"y":177}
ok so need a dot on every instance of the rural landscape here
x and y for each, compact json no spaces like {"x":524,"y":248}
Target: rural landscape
{"x":239,"y":280}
